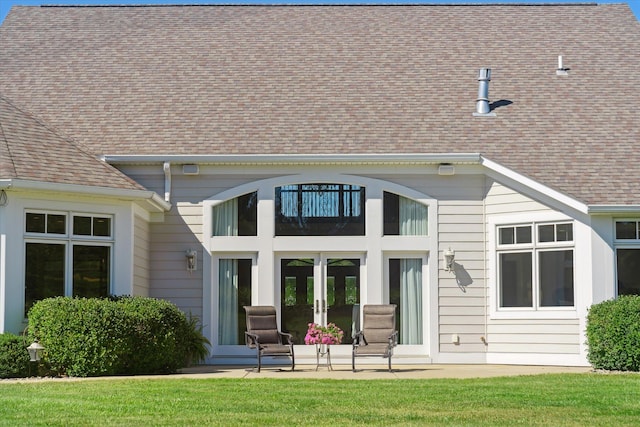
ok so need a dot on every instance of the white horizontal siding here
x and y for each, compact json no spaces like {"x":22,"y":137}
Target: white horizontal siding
{"x":462,"y":301}
{"x":503,"y":200}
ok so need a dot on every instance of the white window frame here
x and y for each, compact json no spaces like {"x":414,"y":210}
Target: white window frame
{"x":409,"y":349}
{"x":69,"y":241}
{"x":623,"y":244}
{"x":493,"y":262}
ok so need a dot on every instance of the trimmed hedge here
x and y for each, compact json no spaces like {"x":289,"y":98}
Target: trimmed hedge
{"x":117,"y":336}
{"x":14,"y":358}
{"x":613,"y":334}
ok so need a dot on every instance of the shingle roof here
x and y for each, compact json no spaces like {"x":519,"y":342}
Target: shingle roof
{"x":30,"y":151}
{"x":342,"y":79}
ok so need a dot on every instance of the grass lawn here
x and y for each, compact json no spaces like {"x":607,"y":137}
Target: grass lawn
{"x":552,"y":400}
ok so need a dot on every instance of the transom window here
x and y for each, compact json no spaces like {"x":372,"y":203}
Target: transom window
{"x":627,"y":230}
{"x":319,"y":210}
{"x":60,"y":261}
{"x":535,"y":265}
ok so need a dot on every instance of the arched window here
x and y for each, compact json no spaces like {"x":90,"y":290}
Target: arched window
{"x":319,"y":210}
{"x":403,"y":216}
{"x":237,"y":217}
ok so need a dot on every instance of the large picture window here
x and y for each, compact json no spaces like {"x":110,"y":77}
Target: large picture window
{"x":535,"y":265}
{"x":61,"y":261}
{"x":320,"y":210}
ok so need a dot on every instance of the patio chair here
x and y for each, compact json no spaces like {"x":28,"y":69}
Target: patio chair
{"x":378,"y":336}
{"x":263,"y":335}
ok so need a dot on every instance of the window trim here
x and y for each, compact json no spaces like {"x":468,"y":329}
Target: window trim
{"x":624,"y":244}
{"x":69,"y":241}
{"x":494,"y":249}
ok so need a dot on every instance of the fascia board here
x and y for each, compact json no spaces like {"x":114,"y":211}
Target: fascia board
{"x":279,"y":159}
{"x":149,"y":198}
{"x":614,"y":209}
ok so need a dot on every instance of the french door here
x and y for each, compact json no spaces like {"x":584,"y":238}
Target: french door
{"x":319,"y":289}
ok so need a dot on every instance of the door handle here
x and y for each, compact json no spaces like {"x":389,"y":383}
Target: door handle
{"x":317,"y":306}
{"x":324,"y":305}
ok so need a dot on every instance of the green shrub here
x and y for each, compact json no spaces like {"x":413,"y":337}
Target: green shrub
{"x":613,"y":334}
{"x":195,"y":341}
{"x":14,"y":358}
{"x":117,"y":336}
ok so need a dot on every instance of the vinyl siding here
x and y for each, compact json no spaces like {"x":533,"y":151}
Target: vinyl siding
{"x":462,"y":300}
{"x":525,"y":335}
{"x":141,"y":246}
{"x":534,"y":336}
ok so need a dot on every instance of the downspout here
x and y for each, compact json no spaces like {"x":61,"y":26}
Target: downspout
{"x":167,"y":181}
{"x":484,"y":267}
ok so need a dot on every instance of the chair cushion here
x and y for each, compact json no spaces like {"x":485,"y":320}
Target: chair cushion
{"x":267,"y":336}
{"x":372,"y":350}
{"x":276,"y":349}
{"x":377,"y":336}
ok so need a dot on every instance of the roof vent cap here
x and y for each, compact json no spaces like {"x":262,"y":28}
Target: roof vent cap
{"x":483,"y":108}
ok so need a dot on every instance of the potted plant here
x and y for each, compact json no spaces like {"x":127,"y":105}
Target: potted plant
{"x":318,"y":334}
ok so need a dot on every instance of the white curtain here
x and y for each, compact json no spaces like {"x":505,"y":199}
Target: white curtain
{"x":413,"y":218}
{"x":225,"y":218}
{"x":228,"y":302}
{"x":411,"y":301}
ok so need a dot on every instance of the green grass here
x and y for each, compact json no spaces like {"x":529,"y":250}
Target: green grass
{"x":551,"y":400}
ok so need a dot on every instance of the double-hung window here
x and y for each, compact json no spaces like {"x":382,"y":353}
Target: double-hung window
{"x":535,"y":265}
{"x":67,"y":254}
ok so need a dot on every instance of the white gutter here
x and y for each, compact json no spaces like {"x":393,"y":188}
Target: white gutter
{"x":149,"y":197}
{"x":613,"y":209}
{"x":278,"y":159}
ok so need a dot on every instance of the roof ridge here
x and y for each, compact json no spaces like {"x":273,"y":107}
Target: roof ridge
{"x":80,"y":148}
{"x":3,"y":137}
{"x":328,"y":4}
{"x":28,"y":113}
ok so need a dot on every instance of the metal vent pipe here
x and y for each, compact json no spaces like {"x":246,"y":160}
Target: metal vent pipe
{"x":482,"y":104}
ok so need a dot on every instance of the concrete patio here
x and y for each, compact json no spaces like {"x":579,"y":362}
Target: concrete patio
{"x":376,"y":371}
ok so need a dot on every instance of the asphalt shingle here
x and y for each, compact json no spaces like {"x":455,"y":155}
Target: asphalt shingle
{"x":346,"y":79}
{"x":30,"y":151}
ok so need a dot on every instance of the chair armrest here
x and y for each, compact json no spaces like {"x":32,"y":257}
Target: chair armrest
{"x":359,"y":339}
{"x":251,"y":340}
{"x":393,"y":339}
{"x":286,"y":335}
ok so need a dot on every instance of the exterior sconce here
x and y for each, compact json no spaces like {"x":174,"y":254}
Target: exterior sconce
{"x":35,"y":350}
{"x":449,"y":258}
{"x":192,"y":260}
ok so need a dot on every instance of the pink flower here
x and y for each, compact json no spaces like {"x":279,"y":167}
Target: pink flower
{"x":317,"y":334}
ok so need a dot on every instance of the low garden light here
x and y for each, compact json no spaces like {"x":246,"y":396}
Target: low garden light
{"x":35,"y":350}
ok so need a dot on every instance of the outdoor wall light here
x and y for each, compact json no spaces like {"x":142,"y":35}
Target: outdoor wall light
{"x":192,"y":259}
{"x":449,"y":258}
{"x":35,"y":350}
